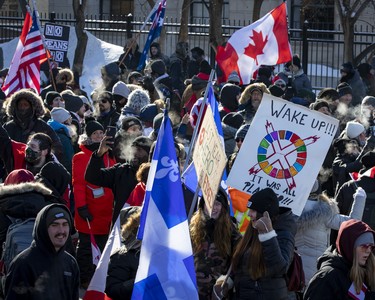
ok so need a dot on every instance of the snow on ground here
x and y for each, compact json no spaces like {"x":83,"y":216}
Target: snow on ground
{"x":98,"y":54}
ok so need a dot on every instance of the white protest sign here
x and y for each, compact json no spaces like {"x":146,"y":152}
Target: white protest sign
{"x":284,"y":149}
{"x":209,"y":159}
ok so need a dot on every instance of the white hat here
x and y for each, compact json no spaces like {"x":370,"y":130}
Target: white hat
{"x":354,"y":129}
{"x":121,"y":89}
{"x":60,"y":114}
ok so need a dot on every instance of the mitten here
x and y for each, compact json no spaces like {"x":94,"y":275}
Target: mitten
{"x":84,"y":213}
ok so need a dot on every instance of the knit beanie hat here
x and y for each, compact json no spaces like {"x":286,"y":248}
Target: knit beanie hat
{"x":50,"y":97}
{"x":354,"y":129}
{"x":318,"y":104}
{"x":276,"y":90}
{"x":56,"y":213}
{"x":105,"y":96}
{"x":297,"y":61}
{"x":93,"y":126}
{"x":228,"y":96}
{"x":233,"y":119}
{"x":344,"y":88}
{"x":132,"y":75}
{"x":264,"y":200}
{"x":60,"y":114}
{"x":148,"y":112}
{"x":137,"y":99}
{"x":198,"y":82}
{"x":242,"y":131}
{"x":19,"y":176}
{"x":368,"y":100}
{"x":234,"y":78}
{"x":72,"y":102}
{"x":143,"y":142}
{"x":130,"y":121}
{"x":120,"y":88}
{"x":158,"y":67}
{"x":329,"y":93}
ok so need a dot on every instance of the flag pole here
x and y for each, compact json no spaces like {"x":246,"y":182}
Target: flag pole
{"x":139,"y":31}
{"x":44,"y":43}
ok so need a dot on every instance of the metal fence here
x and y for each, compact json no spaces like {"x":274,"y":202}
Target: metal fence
{"x":321,"y":50}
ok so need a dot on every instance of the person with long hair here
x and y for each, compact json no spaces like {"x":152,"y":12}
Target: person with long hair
{"x":347,"y":272}
{"x":213,"y":239}
{"x":265,"y":252}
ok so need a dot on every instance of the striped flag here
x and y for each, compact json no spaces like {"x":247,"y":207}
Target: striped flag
{"x":24,"y":71}
{"x":166,"y":263}
{"x":95,"y":251}
{"x":157,"y":18}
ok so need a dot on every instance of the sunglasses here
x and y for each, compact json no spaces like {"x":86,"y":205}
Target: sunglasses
{"x":364,"y":247}
{"x":103,"y":100}
{"x":239,"y":140}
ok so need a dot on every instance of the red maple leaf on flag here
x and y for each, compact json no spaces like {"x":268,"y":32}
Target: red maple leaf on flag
{"x":257,"y":49}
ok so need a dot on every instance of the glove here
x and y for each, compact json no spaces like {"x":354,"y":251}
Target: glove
{"x":221,"y":288}
{"x":264,"y":224}
{"x":84,"y":213}
{"x":360,"y":195}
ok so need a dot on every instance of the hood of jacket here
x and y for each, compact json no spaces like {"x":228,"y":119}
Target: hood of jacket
{"x":40,"y":232}
{"x":35,"y":101}
{"x":321,"y":211}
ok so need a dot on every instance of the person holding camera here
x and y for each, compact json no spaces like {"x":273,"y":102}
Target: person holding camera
{"x":93,"y":203}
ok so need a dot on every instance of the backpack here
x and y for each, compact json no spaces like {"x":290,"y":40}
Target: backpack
{"x":295,"y":276}
{"x":19,"y":237}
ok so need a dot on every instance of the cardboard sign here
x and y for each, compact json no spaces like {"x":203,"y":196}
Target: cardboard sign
{"x":209,"y":159}
{"x":284,"y":149}
{"x":57,"y":42}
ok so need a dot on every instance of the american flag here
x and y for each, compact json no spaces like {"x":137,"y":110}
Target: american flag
{"x":24,"y":71}
{"x":157,"y":18}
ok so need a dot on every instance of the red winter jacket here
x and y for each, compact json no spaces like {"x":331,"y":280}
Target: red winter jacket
{"x":137,"y":195}
{"x":101,"y":207}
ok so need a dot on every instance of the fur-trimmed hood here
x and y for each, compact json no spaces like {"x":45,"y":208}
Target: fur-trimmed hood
{"x":322,"y":211}
{"x":34,"y":99}
{"x":246,"y":94}
{"x":25,"y":187}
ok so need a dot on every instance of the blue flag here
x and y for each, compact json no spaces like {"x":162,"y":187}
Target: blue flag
{"x":157,"y":19}
{"x":190,"y":174}
{"x":166,"y":264}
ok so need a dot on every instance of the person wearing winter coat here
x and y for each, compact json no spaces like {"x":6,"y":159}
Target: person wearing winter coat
{"x":250,"y":100}
{"x":230,"y":124}
{"x":21,"y":198}
{"x":32,"y":156}
{"x":179,"y":66}
{"x":156,"y":53}
{"x":93,"y":203}
{"x":137,"y":99}
{"x":318,"y":217}
{"x":351,"y":76}
{"x":60,"y":122}
{"x":26,"y":109}
{"x":294,"y":71}
{"x":129,"y":60}
{"x":229,"y":95}
{"x":108,"y":116}
{"x":45,"y":270}
{"x":347,"y":272}
{"x":265,"y":252}
{"x":123,"y":263}
{"x":214,"y":238}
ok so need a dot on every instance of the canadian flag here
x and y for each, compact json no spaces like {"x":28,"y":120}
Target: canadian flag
{"x":264,"y":42}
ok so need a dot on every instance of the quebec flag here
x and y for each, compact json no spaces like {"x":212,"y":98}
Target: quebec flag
{"x":157,"y":19}
{"x":166,"y":264}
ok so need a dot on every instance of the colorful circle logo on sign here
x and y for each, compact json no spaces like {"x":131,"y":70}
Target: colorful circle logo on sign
{"x":282,"y":154}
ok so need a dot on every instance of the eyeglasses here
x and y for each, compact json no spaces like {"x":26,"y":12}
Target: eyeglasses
{"x":239,"y":140}
{"x":364,"y":247}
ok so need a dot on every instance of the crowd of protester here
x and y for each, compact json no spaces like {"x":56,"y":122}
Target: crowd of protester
{"x":86,"y":157}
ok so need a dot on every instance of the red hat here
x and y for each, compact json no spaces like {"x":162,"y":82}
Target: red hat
{"x":19,"y":176}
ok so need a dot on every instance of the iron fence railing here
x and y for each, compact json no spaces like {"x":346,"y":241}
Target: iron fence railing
{"x":322,"y":50}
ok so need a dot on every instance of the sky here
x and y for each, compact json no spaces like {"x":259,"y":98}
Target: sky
{"x":98,"y":54}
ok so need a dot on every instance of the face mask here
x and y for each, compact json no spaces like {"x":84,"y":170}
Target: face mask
{"x":32,"y":156}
